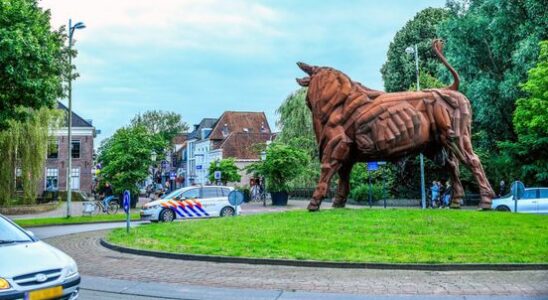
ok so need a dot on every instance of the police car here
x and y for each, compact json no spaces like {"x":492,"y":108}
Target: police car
{"x":189,"y":203}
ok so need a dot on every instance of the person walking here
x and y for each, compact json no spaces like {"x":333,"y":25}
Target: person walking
{"x":502,"y":188}
{"x":435,"y":192}
{"x":447,"y":194}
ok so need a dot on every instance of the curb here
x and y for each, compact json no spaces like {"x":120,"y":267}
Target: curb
{"x":79,"y":223}
{"x":326,"y":264}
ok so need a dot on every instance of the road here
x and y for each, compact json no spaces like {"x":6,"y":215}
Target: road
{"x":108,"y":274}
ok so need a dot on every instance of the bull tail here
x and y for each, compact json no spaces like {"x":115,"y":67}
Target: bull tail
{"x":437,"y":45}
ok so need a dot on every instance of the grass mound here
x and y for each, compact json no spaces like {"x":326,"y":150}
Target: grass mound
{"x":392,"y":235}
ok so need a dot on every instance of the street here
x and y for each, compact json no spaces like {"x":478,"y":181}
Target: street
{"x":109,"y":274}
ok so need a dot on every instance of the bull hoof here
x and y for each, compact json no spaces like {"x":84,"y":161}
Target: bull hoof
{"x":485,"y":206}
{"x":338,"y":205}
{"x":313,"y":207}
{"x":454,"y":206}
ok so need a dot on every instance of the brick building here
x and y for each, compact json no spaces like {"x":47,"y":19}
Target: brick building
{"x":55,"y":173}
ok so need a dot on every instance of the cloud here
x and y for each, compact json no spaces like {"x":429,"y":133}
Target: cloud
{"x":196,"y":24}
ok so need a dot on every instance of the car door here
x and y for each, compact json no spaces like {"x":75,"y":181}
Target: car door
{"x":210,"y":201}
{"x":187,"y":202}
{"x":528,"y":203}
{"x":542,"y":205}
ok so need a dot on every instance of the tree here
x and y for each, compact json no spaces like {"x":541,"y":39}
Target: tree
{"x":228,"y":168}
{"x":492,"y":44}
{"x":531,"y":124}
{"x":23,"y":147}
{"x":31,"y":60}
{"x":398,"y":72}
{"x":164,"y":123}
{"x":296,"y":130}
{"x":126,"y":157}
{"x":283,"y":163}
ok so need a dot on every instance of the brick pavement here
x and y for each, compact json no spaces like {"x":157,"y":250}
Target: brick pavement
{"x":95,"y":260}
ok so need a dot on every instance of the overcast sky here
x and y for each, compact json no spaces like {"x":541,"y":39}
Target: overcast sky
{"x":202,"y":57}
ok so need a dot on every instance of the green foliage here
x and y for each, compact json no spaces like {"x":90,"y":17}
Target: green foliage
{"x":296,"y":130}
{"x":164,"y":123}
{"x":23,"y":146}
{"x":356,"y":235}
{"x":531,"y":125}
{"x":283,"y":163}
{"x":31,"y":60}
{"x":426,"y":81}
{"x":360,"y":193}
{"x":398,"y":72}
{"x":492,"y":44}
{"x":228,"y":168}
{"x":126,"y":157}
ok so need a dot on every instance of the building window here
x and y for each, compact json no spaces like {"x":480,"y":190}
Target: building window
{"x":75,"y":179}
{"x":53,"y":148}
{"x":52,"y":179}
{"x":75,"y":150}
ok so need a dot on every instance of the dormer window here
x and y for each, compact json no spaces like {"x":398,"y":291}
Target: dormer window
{"x":225,"y":130}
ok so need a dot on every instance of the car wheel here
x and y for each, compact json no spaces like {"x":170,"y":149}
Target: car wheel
{"x":503,"y":208}
{"x":167,"y":215}
{"x":227,"y":211}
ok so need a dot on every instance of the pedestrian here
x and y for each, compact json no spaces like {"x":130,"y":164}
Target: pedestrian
{"x":447,"y":194}
{"x":502,"y":188}
{"x":167,"y":186}
{"x":107,"y":195}
{"x":435,"y":192}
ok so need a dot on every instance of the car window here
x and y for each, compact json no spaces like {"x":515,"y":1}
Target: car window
{"x":544,"y":193}
{"x":225,"y":191}
{"x":530,"y":194}
{"x":11,"y":234}
{"x":191,"y":194}
{"x":209,"y":192}
{"x":171,"y":195}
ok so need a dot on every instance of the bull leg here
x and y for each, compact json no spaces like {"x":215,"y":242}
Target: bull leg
{"x":344,"y":185}
{"x":458,"y":190}
{"x":473,"y":162}
{"x":328,"y":170}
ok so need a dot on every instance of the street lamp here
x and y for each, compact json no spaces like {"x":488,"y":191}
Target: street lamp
{"x":71,"y":29}
{"x":413,"y":50}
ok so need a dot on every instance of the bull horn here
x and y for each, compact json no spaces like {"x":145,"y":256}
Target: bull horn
{"x":307,"y":68}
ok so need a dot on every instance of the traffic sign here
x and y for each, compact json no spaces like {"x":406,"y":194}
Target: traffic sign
{"x":127,"y":197}
{"x":372,"y":166}
{"x":172,"y":175}
{"x":235,"y":198}
{"x":217,"y":175}
{"x":198,"y":167}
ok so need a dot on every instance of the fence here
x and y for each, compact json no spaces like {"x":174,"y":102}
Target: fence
{"x":470,"y":199}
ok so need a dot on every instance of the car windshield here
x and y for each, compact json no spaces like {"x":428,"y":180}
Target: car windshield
{"x":10,"y":234}
{"x":171,"y":195}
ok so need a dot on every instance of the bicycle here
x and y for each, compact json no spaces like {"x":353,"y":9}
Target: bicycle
{"x":113,"y":207}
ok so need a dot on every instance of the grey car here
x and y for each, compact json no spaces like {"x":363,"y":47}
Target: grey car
{"x":534,"y":201}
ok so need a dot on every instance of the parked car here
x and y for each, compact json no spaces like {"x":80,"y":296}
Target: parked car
{"x":190,"y":202}
{"x":32,"y":269}
{"x":534,"y":200}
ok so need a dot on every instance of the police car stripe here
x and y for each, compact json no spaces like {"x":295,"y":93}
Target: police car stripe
{"x":173,"y":207}
{"x":190,"y":205}
{"x":182,"y":207}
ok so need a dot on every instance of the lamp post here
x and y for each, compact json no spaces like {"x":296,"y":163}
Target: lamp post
{"x":414,"y":50}
{"x":71,"y":29}
{"x":262,"y":183}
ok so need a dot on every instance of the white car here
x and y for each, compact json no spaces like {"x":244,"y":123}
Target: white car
{"x":534,"y":200}
{"x":32,"y":269}
{"x":189,"y":203}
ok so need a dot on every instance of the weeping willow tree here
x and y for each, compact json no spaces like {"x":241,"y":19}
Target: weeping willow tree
{"x":23,"y":148}
{"x":295,"y":123}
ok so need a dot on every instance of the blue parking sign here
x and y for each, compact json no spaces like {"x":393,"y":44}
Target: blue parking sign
{"x":372,"y":166}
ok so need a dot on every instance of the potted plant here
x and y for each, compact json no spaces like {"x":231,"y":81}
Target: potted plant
{"x":281,"y":164}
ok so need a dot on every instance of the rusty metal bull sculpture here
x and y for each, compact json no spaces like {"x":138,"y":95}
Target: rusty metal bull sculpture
{"x":353,"y":123}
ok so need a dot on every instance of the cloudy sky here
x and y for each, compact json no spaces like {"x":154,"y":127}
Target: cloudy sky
{"x":202,"y":57}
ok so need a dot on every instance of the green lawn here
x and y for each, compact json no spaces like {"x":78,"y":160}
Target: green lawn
{"x":74,"y":219}
{"x":392,"y":235}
